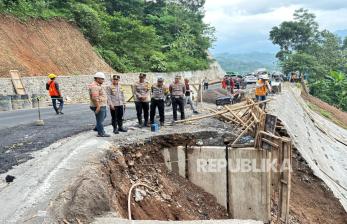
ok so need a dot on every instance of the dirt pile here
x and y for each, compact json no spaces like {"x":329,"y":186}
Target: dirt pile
{"x":311,"y":199}
{"x":38,"y":47}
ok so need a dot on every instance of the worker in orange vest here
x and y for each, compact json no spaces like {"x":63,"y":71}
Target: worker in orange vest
{"x":53,"y":88}
{"x":262,"y":87}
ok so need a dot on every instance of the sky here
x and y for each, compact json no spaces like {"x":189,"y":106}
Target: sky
{"x":243,"y":26}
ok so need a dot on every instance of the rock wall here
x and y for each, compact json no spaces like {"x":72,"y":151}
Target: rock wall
{"x":75,"y":87}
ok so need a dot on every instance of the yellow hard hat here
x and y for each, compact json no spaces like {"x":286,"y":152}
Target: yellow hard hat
{"x":52,"y":76}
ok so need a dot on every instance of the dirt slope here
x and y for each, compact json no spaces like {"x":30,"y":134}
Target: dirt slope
{"x":37,"y":47}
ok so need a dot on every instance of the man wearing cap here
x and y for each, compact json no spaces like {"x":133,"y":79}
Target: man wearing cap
{"x":188,"y":94}
{"x":53,"y":88}
{"x":177,"y":90}
{"x":141,"y":94}
{"x":116,"y":101}
{"x":158,"y":95}
{"x":98,"y":102}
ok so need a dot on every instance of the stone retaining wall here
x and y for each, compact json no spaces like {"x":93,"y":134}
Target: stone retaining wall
{"x":75,"y":87}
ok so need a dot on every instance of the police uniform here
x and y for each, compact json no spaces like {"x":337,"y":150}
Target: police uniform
{"x":141,"y":94}
{"x":157,"y":100}
{"x":177,"y":91}
{"x":116,"y":101}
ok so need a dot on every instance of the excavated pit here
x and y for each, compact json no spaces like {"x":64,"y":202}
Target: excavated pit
{"x":104,"y":188}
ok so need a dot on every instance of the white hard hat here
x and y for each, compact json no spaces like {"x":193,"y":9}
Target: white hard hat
{"x":100,"y":75}
{"x":265,"y":76}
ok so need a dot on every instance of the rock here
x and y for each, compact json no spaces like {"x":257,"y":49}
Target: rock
{"x":199,"y":142}
{"x":139,"y":194}
{"x":166,"y":197}
{"x":9,"y":178}
{"x":131,"y":163}
{"x":39,"y":123}
{"x":138,"y":155}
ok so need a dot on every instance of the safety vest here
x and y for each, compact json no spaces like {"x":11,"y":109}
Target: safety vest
{"x":52,"y":89}
{"x":261,"y":91}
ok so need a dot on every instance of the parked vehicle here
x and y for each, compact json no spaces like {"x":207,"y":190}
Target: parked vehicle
{"x":248,"y":79}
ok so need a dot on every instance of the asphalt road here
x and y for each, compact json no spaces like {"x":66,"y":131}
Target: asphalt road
{"x":19,"y":136}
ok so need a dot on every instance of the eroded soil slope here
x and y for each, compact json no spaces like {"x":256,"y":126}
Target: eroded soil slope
{"x":37,"y":47}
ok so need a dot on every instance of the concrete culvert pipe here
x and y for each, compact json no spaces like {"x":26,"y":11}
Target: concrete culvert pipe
{"x":5,"y":103}
{"x":16,"y":102}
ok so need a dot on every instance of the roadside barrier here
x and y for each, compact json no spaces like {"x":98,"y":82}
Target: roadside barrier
{"x":16,"y":102}
{"x":5,"y":103}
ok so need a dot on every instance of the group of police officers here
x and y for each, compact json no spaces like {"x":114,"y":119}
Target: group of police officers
{"x":147,"y":99}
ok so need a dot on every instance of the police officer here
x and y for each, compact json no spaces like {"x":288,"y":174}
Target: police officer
{"x":158,"y":95}
{"x":141,"y":94}
{"x":177,"y":90}
{"x":116,"y":101}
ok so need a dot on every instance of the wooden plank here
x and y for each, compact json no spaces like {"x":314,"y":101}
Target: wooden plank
{"x":17,"y":82}
{"x":285,"y":183}
{"x":243,"y":132}
{"x":270,"y":123}
{"x":235,"y":115}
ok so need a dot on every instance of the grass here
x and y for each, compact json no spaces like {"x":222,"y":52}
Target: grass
{"x":325,"y":114}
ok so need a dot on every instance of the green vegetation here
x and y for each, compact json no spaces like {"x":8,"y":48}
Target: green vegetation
{"x":320,"y":55}
{"x":247,"y":62}
{"x":132,"y":35}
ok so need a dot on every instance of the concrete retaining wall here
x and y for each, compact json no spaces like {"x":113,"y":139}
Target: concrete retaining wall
{"x":75,"y":87}
{"x":245,"y":193}
{"x":249,"y":192}
{"x":203,"y":170}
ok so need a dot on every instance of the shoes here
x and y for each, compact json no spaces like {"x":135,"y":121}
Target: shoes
{"x":95,"y":129}
{"x":195,"y":112}
{"x":61,"y":113}
{"x":121,"y":129}
{"x":103,"y":136}
{"x":115,"y":131}
{"x":162,"y":124}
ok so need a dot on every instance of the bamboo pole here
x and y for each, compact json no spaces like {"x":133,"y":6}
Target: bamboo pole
{"x":243,"y":132}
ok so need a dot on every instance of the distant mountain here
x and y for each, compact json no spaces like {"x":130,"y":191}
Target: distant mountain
{"x":247,"y":62}
{"x":341,"y":33}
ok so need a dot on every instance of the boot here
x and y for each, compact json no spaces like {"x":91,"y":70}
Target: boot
{"x":140,"y":123}
{"x":162,"y":124}
{"x":121,"y":129}
{"x":115,"y":131}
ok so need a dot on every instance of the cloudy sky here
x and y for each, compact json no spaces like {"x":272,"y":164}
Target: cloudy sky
{"x":244,"y":25}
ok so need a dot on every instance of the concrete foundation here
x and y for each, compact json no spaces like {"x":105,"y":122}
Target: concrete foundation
{"x":249,"y":191}
{"x":239,"y":178}
{"x":207,"y":169}
{"x":124,"y":221}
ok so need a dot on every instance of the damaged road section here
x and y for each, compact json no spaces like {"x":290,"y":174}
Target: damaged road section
{"x":40,"y":180}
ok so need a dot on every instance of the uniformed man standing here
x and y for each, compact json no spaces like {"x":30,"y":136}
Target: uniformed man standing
{"x":177,"y":90}
{"x":158,"y":95}
{"x":116,"y":101}
{"x":98,"y":102}
{"x":141,"y":93}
